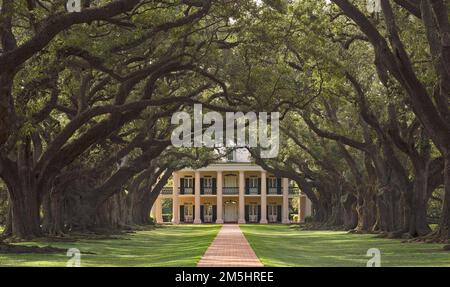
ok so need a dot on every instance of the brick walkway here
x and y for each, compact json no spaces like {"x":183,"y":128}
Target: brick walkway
{"x":230,"y":249}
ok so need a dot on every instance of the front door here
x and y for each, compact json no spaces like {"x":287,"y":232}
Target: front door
{"x":208,"y":213}
{"x":230,"y":212}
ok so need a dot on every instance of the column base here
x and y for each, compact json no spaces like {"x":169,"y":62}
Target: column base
{"x":241,"y":221}
{"x":285,"y":221}
{"x":197,"y":221}
{"x":264,"y":221}
{"x":175,"y":222}
{"x":219,"y":221}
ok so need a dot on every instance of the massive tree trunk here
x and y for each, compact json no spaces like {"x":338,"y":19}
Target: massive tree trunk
{"x":25,"y":221}
{"x":350,"y":216}
{"x":112,"y":213}
{"x":8,"y":225}
{"x":53,"y":213}
{"x":444,"y":225}
{"x":418,"y":225}
{"x":394,"y":59}
{"x":141,"y":210}
{"x":365,"y":209}
{"x":385,"y":206}
{"x":6,"y":82}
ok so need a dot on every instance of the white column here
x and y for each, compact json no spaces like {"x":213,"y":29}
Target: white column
{"x":219,"y":198}
{"x":153,"y":211}
{"x":308,"y":208}
{"x":285,"y":208}
{"x":158,"y":210}
{"x":197,"y":219}
{"x":301,"y":208}
{"x":241,"y":197}
{"x":263,"y":197}
{"x":175,"y":200}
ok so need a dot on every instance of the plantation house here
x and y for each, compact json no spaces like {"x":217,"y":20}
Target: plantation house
{"x":234,"y":190}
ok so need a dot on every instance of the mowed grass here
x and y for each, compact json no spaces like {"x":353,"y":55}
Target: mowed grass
{"x":181,"y":245}
{"x":282,"y":245}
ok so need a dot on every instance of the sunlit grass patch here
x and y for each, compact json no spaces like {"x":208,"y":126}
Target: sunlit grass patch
{"x":282,"y":245}
{"x":181,"y":245}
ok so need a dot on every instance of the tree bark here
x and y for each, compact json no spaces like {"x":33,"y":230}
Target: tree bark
{"x":25,"y":213}
{"x":365,"y":209}
{"x":444,"y":225}
{"x":418,"y":225}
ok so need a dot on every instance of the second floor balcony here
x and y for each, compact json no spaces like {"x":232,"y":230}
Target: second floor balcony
{"x":208,"y":190}
{"x":167,"y":190}
{"x":273,"y":190}
{"x":230,"y":190}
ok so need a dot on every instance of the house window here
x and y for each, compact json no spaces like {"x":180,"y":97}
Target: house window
{"x":272,"y":182}
{"x":253,"y":185}
{"x":253,"y":182}
{"x":230,"y":156}
{"x":189,"y":182}
{"x":207,"y":182}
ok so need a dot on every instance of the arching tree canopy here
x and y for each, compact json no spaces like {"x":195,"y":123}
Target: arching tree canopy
{"x":86,"y":100}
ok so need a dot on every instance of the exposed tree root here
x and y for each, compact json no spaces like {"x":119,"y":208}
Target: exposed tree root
{"x":19,"y":249}
{"x":320,"y":226}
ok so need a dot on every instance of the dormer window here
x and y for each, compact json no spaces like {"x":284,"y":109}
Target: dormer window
{"x":231,"y":156}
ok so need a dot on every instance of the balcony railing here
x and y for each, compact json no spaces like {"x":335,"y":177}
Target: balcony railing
{"x":294,"y":190}
{"x":188,"y":190}
{"x":272,"y":190}
{"x":208,"y":190}
{"x":253,"y":190}
{"x":167,"y":190}
{"x":230,"y":190}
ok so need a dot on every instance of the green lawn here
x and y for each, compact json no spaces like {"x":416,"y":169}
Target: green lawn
{"x":275,"y":245}
{"x":181,"y":245}
{"x":281,"y":245}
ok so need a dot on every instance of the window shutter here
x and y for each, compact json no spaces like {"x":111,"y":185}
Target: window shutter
{"x":214,"y":213}
{"x":259,"y":213}
{"x":214,"y":185}
{"x":202,"y":185}
{"x":267,"y":211}
{"x":181,"y":213}
{"x":202,"y":213}
{"x":259,"y":185}
{"x":247,"y":187}
{"x":247,"y":213}
{"x":279,"y":213}
{"x":181,"y":185}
